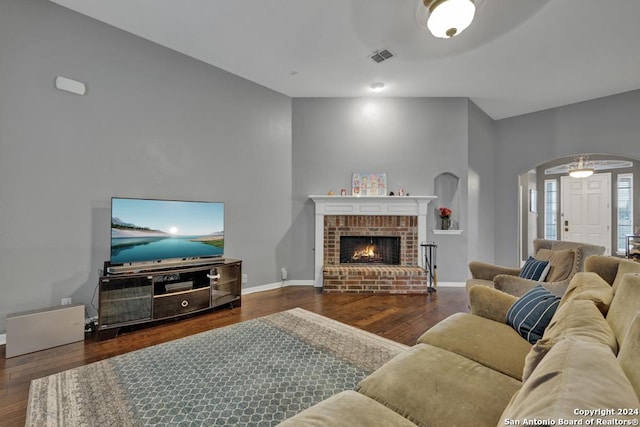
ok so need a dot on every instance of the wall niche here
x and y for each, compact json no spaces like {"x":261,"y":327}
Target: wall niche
{"x":446,"y":186}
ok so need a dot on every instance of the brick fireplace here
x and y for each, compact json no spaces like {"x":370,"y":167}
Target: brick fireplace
{"x":400,"y":219}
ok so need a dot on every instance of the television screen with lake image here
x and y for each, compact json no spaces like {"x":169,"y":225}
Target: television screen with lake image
{"x":152,"y":230}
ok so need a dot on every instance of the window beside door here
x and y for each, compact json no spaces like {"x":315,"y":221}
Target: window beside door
{"x":624,"y":210}
{"x":551,"y":209}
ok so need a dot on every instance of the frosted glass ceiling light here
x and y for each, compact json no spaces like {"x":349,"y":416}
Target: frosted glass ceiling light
{"x":581,"y":168}
{"x":448,"y":18}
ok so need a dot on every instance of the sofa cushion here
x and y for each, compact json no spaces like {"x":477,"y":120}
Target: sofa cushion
{"x":624,"y":306}
{"x":534,"y":269}
{"x":348,"y":409}
{"x":624,"y":267}
{"x":561,"y":263}
{"x":435,"y":387}
{"x":575,"y":375}
{"x":629,"y":355}
{"x":578,"y":319}
{"x":531,"y":314}
{"x":589,"y":286}
{"x":492,"y":344}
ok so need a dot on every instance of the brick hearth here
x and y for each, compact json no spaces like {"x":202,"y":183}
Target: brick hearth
{"x":374,"y":279}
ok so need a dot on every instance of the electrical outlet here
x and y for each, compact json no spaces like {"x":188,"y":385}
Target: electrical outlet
{"x":283,"y":273}
{"x":65,"y":301}
{"x":244,"y":279}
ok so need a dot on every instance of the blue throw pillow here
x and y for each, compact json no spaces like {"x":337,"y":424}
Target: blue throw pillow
{"x":534,"y":269}
{"x":531,"y":314}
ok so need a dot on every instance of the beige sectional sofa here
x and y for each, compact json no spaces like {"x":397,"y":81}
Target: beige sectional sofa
{"x":472,"y":369}
{"x":565,"y":259}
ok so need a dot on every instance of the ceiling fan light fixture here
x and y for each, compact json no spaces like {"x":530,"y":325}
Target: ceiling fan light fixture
{"x":581,"y":168}
{"x":448,"y":18}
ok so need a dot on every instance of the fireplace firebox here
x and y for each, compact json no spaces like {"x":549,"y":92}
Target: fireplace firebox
{"x":370,"y":250}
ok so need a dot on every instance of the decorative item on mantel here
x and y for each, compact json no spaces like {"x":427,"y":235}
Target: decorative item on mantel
{"x":368,"y":184}
{"x":445,"y":218}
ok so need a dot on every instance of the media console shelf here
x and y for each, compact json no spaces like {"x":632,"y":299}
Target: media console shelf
{"x":148,"y":294}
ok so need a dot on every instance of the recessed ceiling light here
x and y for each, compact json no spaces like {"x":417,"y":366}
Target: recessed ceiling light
{"x":377,"y":87}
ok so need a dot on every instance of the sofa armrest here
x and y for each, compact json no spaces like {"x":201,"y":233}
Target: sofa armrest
{"x":490,"y":303}
{"x":518,"y":286}
{"x":485,"y":271}
{"x":514,"y":285}
{"x":605,"y":266}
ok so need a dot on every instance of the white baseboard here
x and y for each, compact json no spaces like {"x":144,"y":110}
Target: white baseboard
{"x":3,"y":339}
{"x":451,"y":284}
{"x":276,"y":285}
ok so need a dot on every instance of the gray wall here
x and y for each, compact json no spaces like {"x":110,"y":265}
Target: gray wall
{"x":480,"y":226}
{"x":604,"y":125}
{"x":412,"y":140}
{"x":154,"y":124}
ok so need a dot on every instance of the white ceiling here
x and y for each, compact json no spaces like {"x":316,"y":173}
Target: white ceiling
{"x":517,"y":57}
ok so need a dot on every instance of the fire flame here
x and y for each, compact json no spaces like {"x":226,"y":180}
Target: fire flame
{"x":367,"y":252}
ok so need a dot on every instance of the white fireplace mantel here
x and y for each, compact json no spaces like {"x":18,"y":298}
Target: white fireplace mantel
{"x":366,"y":205}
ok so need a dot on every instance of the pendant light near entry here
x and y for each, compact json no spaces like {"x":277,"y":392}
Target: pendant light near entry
{"x":581,"y":168}
{"x":448,"y":18}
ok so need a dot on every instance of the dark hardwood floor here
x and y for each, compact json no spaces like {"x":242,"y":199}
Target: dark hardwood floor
{"x":401,"y":318}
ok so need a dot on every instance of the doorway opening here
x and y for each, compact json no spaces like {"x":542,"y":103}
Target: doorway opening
{"x":598,"y":209}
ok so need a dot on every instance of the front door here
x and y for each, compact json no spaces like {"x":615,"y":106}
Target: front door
{"x":585,"y":210}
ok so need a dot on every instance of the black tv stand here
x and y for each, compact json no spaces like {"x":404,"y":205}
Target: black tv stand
{"x":138,"y":294}
{"x":159,"y":265}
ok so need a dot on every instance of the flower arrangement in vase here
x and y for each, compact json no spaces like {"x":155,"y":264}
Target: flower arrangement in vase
{"x":445,"y":218}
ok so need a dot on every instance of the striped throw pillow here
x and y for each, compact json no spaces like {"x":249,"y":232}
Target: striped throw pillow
{"x":534,"y":269}
{"x":532,"y":312}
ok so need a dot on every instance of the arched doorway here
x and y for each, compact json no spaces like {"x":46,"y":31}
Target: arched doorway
{"x":552,"y":207}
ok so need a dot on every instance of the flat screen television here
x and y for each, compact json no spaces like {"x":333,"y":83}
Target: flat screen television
{"x":148,"y":230}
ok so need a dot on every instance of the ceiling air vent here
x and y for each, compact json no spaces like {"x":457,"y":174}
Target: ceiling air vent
{"x":381,"y":55}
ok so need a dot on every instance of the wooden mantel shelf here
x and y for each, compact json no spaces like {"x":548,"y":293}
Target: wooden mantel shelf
{"x":371,"y":205}
{"x":326,"y":197}
{"x":451,"y":232}
{"x":388,"y":199}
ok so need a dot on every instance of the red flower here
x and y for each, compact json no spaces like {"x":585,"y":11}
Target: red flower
{"x":444,"y":212}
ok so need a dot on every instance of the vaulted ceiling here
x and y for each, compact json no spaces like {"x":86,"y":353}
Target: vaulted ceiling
{"x":518,"y":56}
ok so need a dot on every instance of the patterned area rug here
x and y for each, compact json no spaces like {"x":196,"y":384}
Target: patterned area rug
{"x":254,"y":373}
